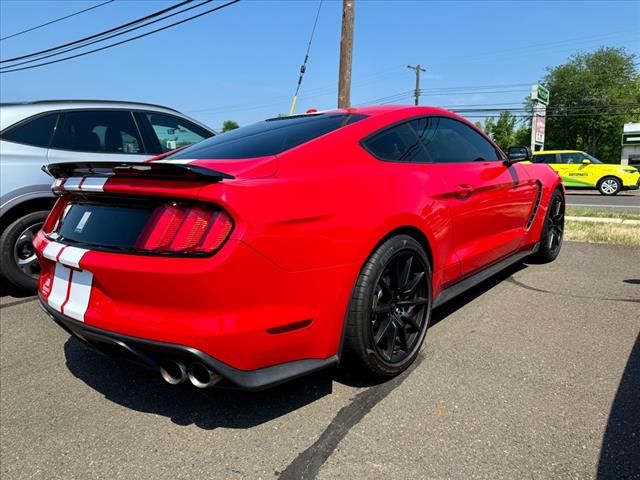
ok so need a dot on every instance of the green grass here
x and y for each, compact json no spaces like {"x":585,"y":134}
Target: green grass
{"x":594,"y":232}
{"x":591,"y":212}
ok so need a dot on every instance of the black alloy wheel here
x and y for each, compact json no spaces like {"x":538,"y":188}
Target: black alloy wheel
{"x":555,"y":225}
{"x":552,"y":232}
{"x":390,"y":309}
{"x":18,"y":262}
{"x":399,"y":307}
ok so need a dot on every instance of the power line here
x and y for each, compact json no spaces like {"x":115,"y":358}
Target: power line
{"x":90,"y":37}
{"x":193,"y":17}
{"x":117,"y":34}
{"x":303,"y":68}
{"x":31,"y":29}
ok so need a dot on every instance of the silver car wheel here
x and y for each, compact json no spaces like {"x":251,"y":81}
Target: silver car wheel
{"x":610,"y":186}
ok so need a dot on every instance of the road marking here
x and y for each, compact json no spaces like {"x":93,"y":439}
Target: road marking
{"x":601,"y":205}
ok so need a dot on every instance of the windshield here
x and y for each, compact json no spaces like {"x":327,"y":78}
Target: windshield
{"x":270,"y":137}
{"x":592,"y":158}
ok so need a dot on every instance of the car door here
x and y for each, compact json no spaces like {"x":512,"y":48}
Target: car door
{"x":163,"y":132}
{"x":97,"y":135}
{"x":491,"y":201}
{"x":401,"y":148}
{"x":574,"y":172}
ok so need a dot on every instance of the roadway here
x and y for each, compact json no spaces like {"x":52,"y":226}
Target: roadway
{"x":627,"y":201}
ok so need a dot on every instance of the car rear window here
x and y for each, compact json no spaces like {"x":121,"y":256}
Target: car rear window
{"x":269,"y":137}
{"x":114,"y":226}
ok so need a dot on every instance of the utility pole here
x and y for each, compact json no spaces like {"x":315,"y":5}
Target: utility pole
{"x":346,"y":54}
{"x":417,"y":92}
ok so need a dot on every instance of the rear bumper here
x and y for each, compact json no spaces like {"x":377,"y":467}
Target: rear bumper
{"x":149,"y":353}
{"x":237,"y":306}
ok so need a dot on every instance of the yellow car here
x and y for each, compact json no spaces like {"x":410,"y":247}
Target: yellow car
{"x":581,"y":170}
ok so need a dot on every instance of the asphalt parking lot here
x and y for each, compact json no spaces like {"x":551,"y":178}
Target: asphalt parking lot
{"x":535,"y":374}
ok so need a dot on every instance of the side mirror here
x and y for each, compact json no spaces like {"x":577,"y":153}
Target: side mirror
{"x":519,"y":154}
{"x":586,"y":161}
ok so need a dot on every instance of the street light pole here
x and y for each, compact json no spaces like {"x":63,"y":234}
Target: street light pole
{"x":417,"y":91}
{"x":346,"y":54}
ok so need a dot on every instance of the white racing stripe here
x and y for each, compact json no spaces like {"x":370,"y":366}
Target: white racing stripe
{"x":65,"y":254}
{"x":82,"y":184}
{"x":71,"y":256}
{"x":73,"y":183}
{"x":60,"y":287}
{"x":71,"y":289}
{"x":93,"y":184}
{"x":52,"y":250}
{"x":79,"y":293}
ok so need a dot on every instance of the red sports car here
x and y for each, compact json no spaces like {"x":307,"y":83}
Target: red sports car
{"x":292,"y":244}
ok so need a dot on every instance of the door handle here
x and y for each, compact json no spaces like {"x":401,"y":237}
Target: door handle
{"x":465,"y":190}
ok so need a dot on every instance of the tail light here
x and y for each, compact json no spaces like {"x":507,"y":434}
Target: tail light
{"x":185,"y":229}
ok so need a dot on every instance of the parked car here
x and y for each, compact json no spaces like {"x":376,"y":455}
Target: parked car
{"x":37,"y":133}
{"x":283,"y":247}
{"x":581,"y":170}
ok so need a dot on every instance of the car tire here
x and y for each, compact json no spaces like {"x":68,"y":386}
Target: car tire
{"x":552,"y":231}
{"x":390,"y":309}
{"x":609,"y":186}
{"x":18,"y":263}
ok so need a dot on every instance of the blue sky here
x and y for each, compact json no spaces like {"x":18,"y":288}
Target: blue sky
{"x":242,"y":63}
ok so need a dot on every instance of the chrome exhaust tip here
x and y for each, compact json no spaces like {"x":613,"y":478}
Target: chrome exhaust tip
{"x":201,"y":377}
{"x":173,"y":372}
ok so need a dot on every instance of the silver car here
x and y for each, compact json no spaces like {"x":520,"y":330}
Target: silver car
{"x":33,"y":134}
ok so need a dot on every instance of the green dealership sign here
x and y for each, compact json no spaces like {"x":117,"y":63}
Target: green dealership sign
{"x":540,"y":93}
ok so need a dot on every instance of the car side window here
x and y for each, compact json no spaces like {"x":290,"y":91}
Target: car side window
{"x":545,"y":158}
{"x":100,"y":131}
{"x":36,"y":132}
{"x":397,"y":144}
{"x":174,"y":132}
{"x":572,"y":158}
{"x":451,"y":141}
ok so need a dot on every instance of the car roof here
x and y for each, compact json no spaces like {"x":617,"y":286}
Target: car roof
{"x":92,"y":103}
{"x":539,"y":152}
{"x":13,"y":112}
{"x":378,"y":110}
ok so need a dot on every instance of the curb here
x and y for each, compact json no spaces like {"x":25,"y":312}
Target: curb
{"x":619,"y":221}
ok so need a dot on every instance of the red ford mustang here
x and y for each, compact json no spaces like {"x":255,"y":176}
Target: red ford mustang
{"x":289,"y":245}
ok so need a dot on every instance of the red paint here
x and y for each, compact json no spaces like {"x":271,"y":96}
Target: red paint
{"x":304,"y":223}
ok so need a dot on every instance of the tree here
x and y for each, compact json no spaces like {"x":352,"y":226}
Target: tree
{"x":229,"y":125}
{"x":503,"y":130}
{"x":522,"y":136}
{"x":592,"y":96}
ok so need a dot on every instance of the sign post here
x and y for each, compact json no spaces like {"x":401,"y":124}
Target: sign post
{"x":540,"y":99}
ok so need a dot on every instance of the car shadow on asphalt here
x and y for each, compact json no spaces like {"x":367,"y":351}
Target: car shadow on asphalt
{"x":9,"y":291}
{"x":620,"y":452}
{"x":143,"y":391}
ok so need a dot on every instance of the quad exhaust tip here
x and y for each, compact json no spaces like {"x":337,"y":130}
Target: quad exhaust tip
{"x":173,"y":372}
{"x":201,"y":377}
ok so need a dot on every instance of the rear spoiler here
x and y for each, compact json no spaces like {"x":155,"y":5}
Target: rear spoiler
{"x":147,"y":170}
